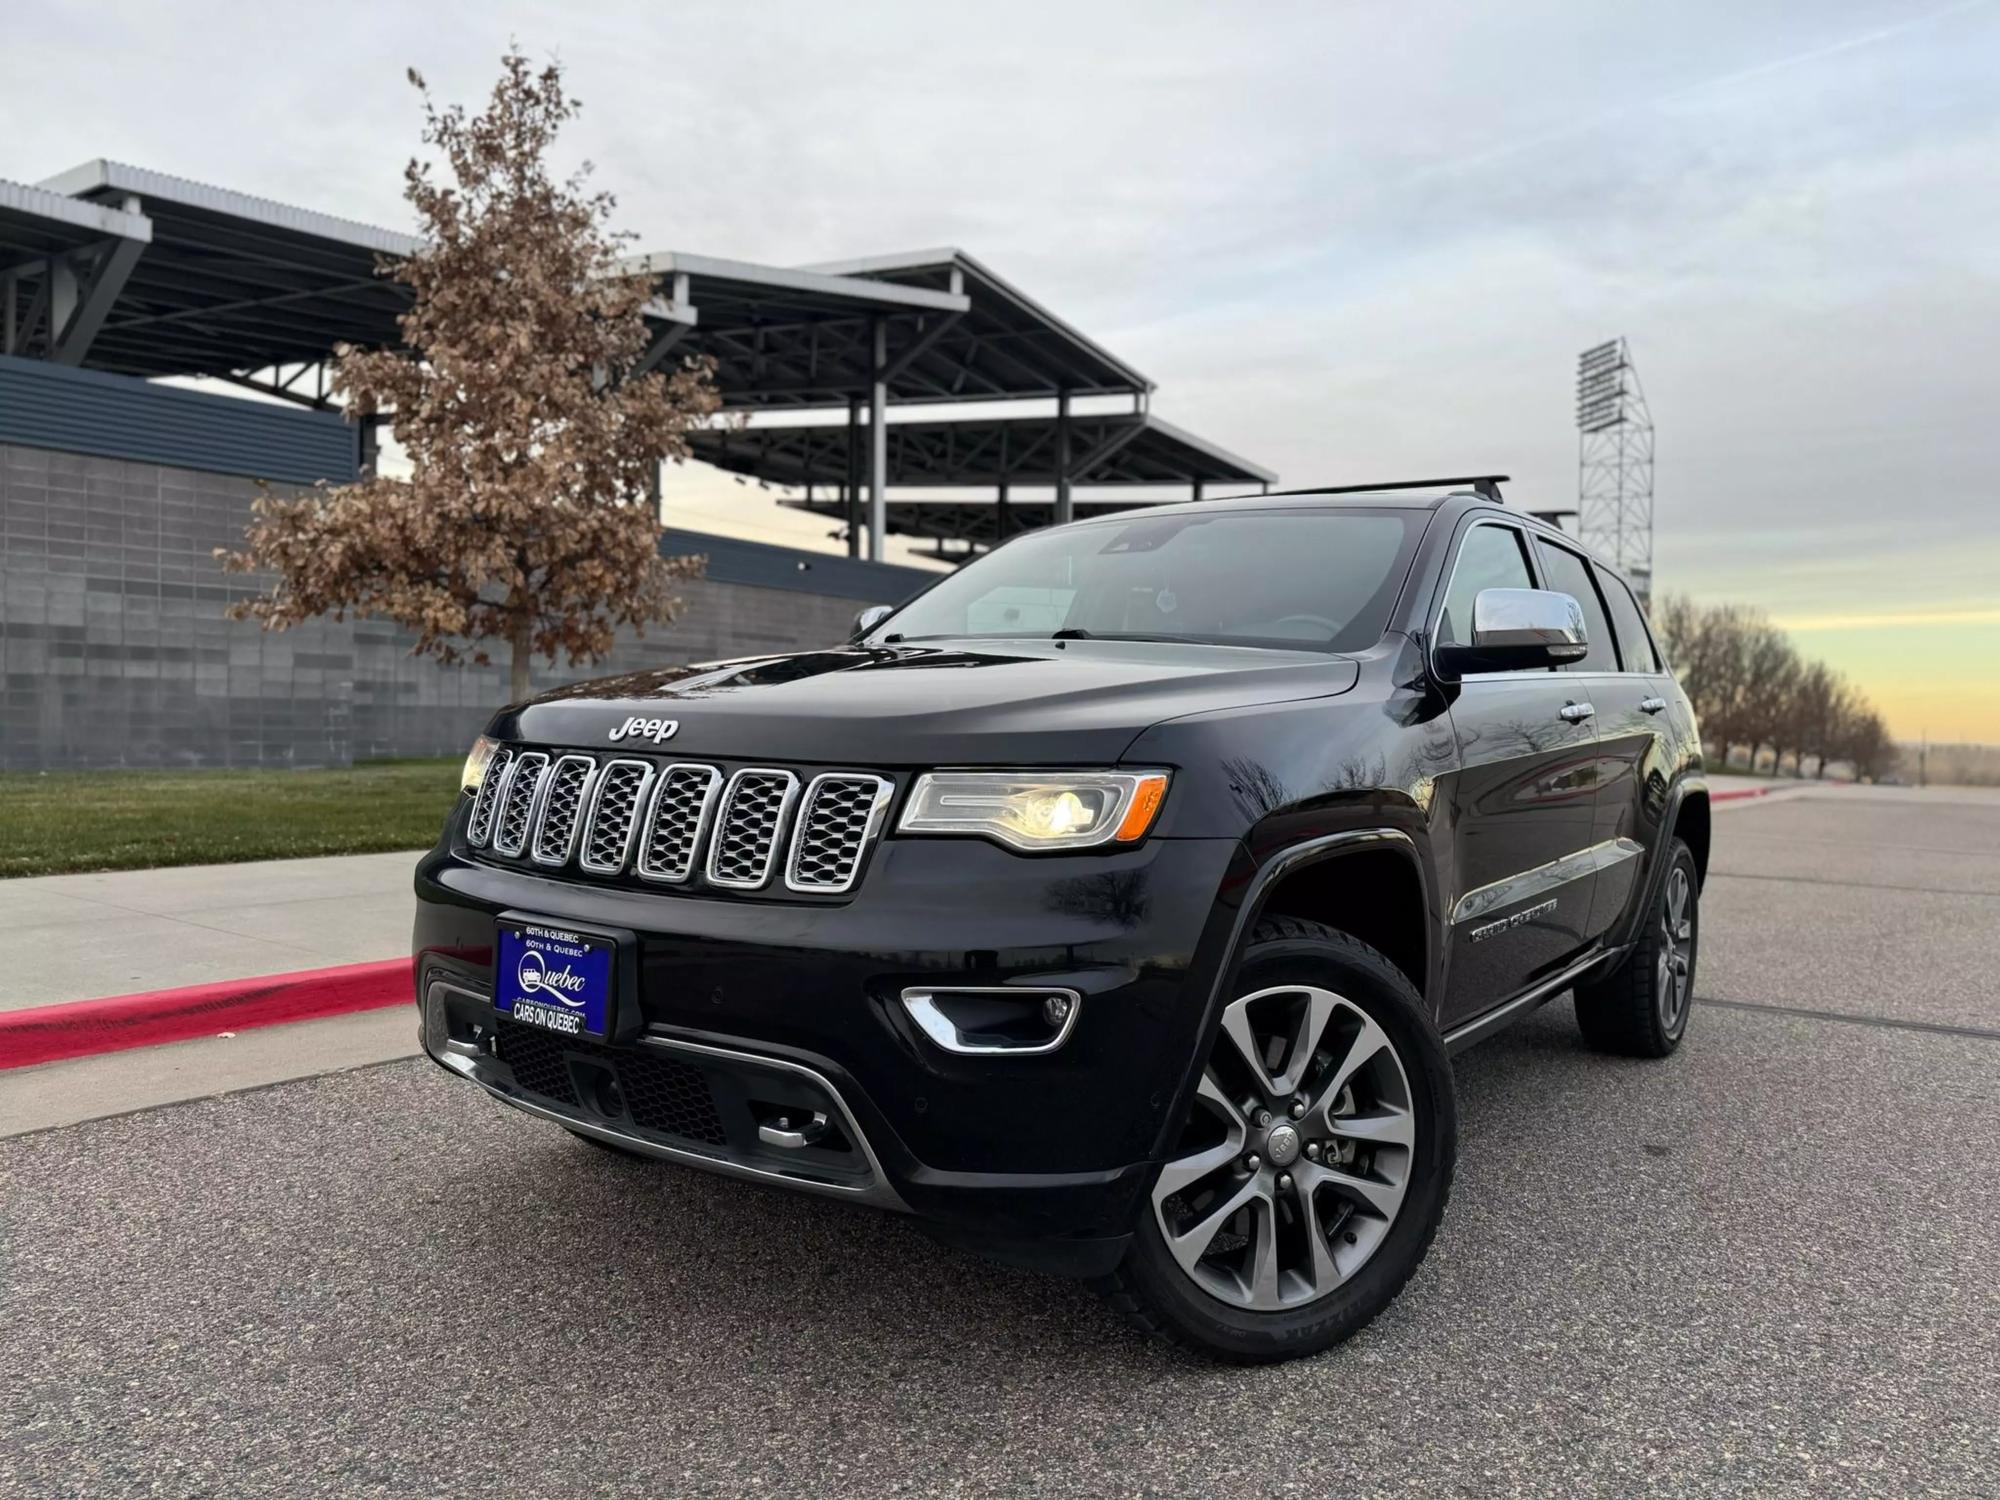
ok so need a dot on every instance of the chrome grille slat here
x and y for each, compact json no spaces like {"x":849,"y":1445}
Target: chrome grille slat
{"x":479,"y":827}
{"x":510,"y":833}
{"x":675,"y":822}
{"x":615,"y":803}
{"x":747,"y":829}
{"x":837,"y":821}
{"x":563,"y":791}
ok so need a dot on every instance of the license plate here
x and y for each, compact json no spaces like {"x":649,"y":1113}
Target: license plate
{"x":559,"y":980}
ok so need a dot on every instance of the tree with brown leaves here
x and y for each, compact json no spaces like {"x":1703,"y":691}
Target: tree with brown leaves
{"x":529,"y":515}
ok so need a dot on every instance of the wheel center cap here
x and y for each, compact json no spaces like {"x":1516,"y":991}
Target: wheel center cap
{"x":1281,"y":1146}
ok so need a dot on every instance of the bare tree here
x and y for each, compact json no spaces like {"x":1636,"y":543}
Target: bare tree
{"x":1770,"y":667}
{"x":1750,"y":687}
{"x":528,"y":517}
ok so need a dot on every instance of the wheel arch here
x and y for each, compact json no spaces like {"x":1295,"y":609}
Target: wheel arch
{"x":1373,"y":890}
{"x":1685,"y":813}
{"x":1692,"y":825}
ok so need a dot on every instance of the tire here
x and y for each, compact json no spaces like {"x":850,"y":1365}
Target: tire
{"x":1345,"y":1232}
{"x":1641,"y":1008}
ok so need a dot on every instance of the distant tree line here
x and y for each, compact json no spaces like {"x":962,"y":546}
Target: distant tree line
{"x":1753,"y":690}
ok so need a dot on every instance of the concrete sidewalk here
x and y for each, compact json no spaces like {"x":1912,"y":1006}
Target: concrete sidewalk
{"x":76,"y":937}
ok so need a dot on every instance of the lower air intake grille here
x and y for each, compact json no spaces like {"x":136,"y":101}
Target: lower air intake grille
{"x":670,"y":1097}
{"x":537,"y":1060}
{"x":662,"y":1094}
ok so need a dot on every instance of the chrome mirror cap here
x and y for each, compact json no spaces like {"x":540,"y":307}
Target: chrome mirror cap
{"x":1504,"y":618}
{"x":1516,"y":630}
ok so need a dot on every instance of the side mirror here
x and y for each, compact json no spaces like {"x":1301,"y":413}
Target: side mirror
{"x":869,"y":618}
{"x":1518,"y":630}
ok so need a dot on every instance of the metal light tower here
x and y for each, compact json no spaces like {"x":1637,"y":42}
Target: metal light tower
{"x":1614,"y":482}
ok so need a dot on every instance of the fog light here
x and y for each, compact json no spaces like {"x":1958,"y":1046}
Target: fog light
{"x":985,"y":1021}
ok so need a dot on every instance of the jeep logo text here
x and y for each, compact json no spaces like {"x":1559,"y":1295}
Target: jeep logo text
{"x":655,"y":730}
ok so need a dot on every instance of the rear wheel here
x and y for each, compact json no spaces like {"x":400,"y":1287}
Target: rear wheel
{"x":1309,"y":1177}
{"x":1641,"y":1008}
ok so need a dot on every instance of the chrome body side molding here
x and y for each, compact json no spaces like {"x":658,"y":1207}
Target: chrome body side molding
{"x":1529,"y":884}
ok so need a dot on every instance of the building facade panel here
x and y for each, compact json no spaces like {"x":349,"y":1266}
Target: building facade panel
{"x":116,"y":650}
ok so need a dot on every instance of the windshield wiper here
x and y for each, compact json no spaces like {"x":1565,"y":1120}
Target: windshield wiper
{"x":1075,"y":634}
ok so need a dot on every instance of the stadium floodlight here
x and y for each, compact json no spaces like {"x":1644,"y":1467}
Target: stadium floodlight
{"x":1614,"y":488}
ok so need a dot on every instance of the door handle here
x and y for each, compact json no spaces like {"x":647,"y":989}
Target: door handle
{"x":1651,"y":705}
{"x":1576,"y":713}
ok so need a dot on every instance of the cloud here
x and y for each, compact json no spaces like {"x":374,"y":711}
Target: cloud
{"x":1349,"y":241}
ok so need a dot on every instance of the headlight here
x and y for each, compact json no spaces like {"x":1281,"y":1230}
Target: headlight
{"x":474,"y":771}
{"x":1036,"y":810}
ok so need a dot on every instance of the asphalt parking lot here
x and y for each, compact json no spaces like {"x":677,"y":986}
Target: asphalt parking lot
{"x":1765,"y":1267}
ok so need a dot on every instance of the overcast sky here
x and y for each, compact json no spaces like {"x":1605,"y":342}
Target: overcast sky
{"x":1348,"y":241}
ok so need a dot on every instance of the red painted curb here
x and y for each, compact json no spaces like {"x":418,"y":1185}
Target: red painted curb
{"x":49,"y":1033}
{"x":1748,"y":791}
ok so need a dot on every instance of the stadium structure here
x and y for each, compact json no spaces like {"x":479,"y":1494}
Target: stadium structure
{"x":118,"y":482}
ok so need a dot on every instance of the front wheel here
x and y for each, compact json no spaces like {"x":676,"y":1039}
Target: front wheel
{"x":1309,"y":1176}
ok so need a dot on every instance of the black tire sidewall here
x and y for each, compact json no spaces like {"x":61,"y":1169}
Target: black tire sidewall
{"x":1364,"y":977}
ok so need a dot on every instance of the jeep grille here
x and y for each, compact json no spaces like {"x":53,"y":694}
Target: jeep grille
{"x":675,"y":823}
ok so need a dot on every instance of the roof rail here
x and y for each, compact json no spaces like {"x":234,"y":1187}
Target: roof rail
{"x":1487,"y":485}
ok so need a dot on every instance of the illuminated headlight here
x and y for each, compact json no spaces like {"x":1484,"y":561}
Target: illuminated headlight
{"x":1033,"y":810}
{"x":475,"y":764}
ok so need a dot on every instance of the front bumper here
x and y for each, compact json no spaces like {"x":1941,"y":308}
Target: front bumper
{"x":795,"y":1008}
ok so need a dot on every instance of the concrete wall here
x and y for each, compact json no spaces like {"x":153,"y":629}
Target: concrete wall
{"x":116,"y":651}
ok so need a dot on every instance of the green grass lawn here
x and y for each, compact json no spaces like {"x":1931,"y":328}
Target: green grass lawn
{"x":58,"y":821}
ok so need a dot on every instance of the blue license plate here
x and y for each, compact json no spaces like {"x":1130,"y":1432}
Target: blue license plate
{"x":554,"y":978}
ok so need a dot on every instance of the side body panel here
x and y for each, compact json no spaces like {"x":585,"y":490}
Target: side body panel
{"x":1525,"y":816}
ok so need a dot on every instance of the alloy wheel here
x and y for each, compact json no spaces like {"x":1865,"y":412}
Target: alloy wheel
{"x":1296,"y":1155}
{"x":1676,"y":957}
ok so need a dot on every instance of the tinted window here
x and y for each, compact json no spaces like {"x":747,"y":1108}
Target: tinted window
{"x":1566,"y":573}
{"x":1635,"y":646}
{"x":1311,"y":580}
{"x":1490,"y":557}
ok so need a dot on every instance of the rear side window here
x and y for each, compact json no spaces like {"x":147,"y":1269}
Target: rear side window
{"x":1635,"y":644}
{"x":1490,"y":557}
{"x":1567,"y":573}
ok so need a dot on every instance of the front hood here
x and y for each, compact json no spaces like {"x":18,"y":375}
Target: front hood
{"x":1012,"y":703}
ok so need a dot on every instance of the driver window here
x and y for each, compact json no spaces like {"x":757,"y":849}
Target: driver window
{"x":1490,"y":557}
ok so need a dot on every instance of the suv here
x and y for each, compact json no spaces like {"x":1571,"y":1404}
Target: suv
{"x":1114,"y":906}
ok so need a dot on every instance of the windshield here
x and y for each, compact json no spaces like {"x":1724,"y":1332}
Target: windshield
{"x":1302,"y":579}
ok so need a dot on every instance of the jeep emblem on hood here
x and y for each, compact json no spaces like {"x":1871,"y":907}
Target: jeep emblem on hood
{"x":655,"y":730}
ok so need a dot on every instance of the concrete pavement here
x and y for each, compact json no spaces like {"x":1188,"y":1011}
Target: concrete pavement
{"x":1764,"y":1267}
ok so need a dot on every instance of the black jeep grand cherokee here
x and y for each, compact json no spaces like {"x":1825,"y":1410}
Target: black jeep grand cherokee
{"x":1113,"y":906}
